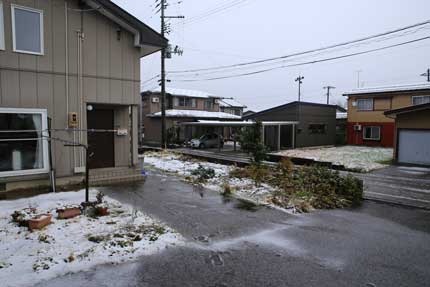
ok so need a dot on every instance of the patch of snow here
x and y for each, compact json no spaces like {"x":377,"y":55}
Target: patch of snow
{"x":341,"y":116}
{"x":183,"y":166}
{"x":195,"y":114}
{"x":185,"y":93}
{"x":62,"y":247}
{"x":230,"y":103}
{"x":394,"y":88}
{"x":352,"y":157}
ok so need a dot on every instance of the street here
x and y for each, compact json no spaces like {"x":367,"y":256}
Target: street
{"x":232,"y":243}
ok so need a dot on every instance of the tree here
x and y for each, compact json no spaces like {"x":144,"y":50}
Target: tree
{"x":251,"y":142}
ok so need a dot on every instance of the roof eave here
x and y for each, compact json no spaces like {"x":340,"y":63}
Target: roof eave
{"x":148,"y":40}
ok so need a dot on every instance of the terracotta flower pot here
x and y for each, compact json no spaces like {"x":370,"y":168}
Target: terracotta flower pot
{"x":68,"y":212}
{"x":102,"y":211}
{"x":39,"y":221}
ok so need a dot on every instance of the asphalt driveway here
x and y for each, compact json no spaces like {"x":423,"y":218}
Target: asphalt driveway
{"x":399,"y":184}
{"x":232,"y":243}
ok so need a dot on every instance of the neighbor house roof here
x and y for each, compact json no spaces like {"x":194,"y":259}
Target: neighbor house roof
{"x":230,"y":103}
{"x":341,"y":116}
{"x":145,"y":37}
{"x":185,"y":93}
{"x":290,"y":104}
{"x":173,"y":113}
{"x":389,"y":89}
{"x":408,"y":109}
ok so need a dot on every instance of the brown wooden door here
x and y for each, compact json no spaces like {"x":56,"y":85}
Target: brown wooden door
{"x":101,"y":144}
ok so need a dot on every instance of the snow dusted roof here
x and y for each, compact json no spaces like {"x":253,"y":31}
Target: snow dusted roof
{"x":185,"y":93}
{"x":387,"y":89}
{"x":173,"y":113}
{"x":340,"y":116}
{"x":230,"y":103}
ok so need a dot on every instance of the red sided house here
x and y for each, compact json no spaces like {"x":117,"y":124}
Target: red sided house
{"x":367,"y":124}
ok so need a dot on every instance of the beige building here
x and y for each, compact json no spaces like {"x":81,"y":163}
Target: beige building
{"x":412,"y":134}
{"x":367,"y":124}
{"x":70,"y":65}
{"x":181,"y":106}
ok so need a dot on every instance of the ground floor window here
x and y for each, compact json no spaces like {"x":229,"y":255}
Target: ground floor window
{"x":372,"y":133}
{"x":317,"y":128}
{"x":23,"y":146}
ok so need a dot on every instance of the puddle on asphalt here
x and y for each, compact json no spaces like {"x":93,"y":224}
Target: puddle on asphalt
{"x":247,"y":205}
{"x":241,"y":203}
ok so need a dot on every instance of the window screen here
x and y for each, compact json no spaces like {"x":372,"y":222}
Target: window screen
{"x":372,"y":133}
{"x":28,"y":35}
{"x":23,"y":147}
{"x":365,"y":104}
{"x":418,"y":100}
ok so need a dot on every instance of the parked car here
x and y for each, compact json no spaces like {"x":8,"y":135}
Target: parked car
{"x":207,"y":140}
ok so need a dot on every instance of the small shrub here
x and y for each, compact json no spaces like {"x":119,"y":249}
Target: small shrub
{"x":226,"y":189}
{"x":203,"y":173}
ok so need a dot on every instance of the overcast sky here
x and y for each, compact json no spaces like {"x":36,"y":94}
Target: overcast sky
{"x":258,"y":29}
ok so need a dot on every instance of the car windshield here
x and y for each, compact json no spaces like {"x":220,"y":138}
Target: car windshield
{"x":203,"y":137}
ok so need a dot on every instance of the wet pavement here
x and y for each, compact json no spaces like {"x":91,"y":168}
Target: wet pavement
{"x":233,"y":243}
{"x":399,"y":184}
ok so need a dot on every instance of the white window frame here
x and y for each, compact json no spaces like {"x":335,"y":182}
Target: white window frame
{"x":44,"y":116}
{"x":2,"y":42}
{"x":367,"y":99}
{"x":371,"y":139}
{"x":42,"y":48}
{"x":424,"y":96}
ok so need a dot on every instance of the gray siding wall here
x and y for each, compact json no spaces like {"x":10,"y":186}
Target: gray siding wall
{"x":309,"y":114}
{"x":111,"y":70}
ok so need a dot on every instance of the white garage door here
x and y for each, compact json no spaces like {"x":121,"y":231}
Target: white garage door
{"x":414,"y":146}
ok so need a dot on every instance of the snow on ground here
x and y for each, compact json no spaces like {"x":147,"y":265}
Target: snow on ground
{"x":183,"y":166}
{"x":352,"y":157}
{"x":27,"y":258}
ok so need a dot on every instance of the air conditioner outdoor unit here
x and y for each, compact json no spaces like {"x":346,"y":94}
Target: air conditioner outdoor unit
{"x":155,"y":100}
{"x":357,"y":128}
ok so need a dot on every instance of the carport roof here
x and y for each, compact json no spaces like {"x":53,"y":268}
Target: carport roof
{"x":237,"y":123}
{"x":409,"y":109}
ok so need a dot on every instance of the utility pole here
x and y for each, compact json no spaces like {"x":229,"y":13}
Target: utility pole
{"x":328,"y":88}
{"x":166,"y":52}
{"x":163,"y":81}
{"x":299,"y":79}
{"x":427,"y":74}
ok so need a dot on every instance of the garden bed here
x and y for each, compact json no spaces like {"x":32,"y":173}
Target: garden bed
{"x":283,"y":185}
{"x":75,"y":244}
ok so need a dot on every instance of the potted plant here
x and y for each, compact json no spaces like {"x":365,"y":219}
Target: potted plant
{"x":68,"y":211}
{"x":39,"y":221}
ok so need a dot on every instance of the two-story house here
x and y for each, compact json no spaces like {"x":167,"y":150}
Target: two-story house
{"x":69,"y":74}
{"x":181,"y":106}
{"x":231,"y":106}
{"x":367,"y":124}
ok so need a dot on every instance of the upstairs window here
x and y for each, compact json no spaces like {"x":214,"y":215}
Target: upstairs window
{"x":209,"y":105}
{"x":185,"y":102}
{"x":418,"y":100}
{"x":365,"y":104}
{"x":1,"y":27}
{"x":27,"y":30}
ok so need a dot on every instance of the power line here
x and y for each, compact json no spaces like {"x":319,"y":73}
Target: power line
{"x":293,"y":59}
{"x":305,"y":52}
{"x":306,"y":63}
{"x":211,"y":11}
